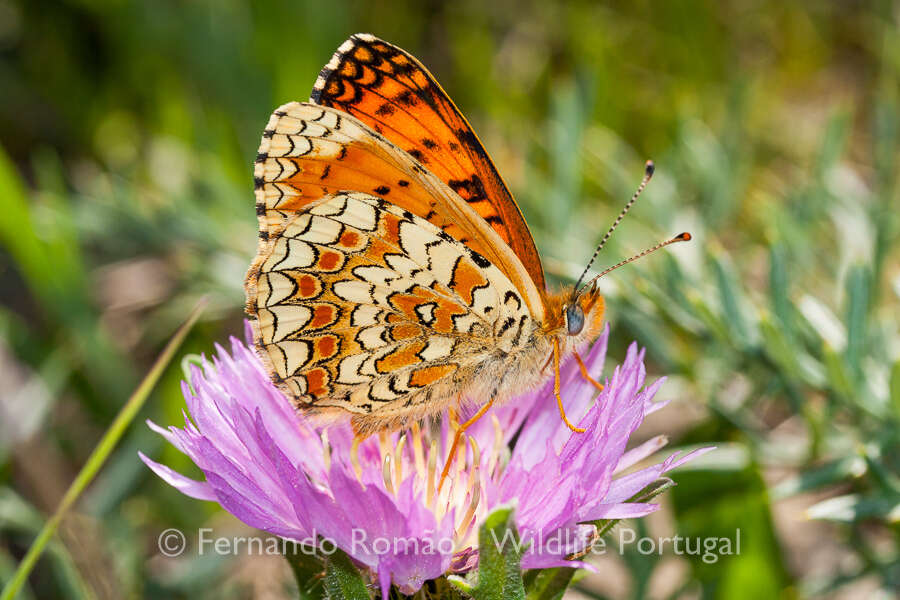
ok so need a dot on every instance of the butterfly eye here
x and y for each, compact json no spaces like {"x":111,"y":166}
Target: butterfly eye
{"x":574,"y":319}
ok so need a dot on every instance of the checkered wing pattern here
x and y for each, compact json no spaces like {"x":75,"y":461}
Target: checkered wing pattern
{"x":310,"y":151}
{"x":363,"y":306}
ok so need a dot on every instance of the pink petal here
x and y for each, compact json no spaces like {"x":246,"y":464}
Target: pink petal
{"x":187,"y":486}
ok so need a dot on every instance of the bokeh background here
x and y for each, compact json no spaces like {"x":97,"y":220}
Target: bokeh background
{"x":127,"y":135}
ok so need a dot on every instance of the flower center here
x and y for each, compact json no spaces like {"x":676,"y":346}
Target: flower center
{"x":420,"y":453}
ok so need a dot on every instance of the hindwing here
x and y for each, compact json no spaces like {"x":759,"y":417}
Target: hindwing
{"x":363,"y":306}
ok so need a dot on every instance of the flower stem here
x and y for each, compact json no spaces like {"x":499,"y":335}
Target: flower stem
{"x":99,"y":455}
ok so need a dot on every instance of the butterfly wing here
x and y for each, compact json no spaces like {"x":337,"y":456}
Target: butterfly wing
{"x":362,"y":306}
{"x":392,"y":92}
{"x":309,"y":151}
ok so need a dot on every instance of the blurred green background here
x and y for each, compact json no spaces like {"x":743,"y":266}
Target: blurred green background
{"x":127,"y":135}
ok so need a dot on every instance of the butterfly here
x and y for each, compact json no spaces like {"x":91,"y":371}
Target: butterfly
{"x":395,"y":273}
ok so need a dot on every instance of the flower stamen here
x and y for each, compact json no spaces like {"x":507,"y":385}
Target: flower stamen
{"x":398,"y":459}
{"x":326,"y":450}
{"x":386,"y":474}
{"x":499,"y":448}
{"x":473,"y":492}
{"x":429,"y":479}
{"x":418,"y":452}
{"x":461,"y":453}
{"x":476,"y":462}
{"x":354,"y":457}
{"x":384,"y":445}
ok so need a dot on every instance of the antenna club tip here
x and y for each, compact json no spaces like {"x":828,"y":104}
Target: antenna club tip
{"x":684,"y":237}
{"x":649,"y":167}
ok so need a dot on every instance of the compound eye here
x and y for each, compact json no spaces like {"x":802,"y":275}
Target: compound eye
{"x":575,"y":319}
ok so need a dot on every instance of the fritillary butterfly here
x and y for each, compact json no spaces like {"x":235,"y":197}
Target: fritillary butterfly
{"x":395,"y":273}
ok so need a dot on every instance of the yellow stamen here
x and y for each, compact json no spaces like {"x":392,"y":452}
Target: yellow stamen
{"x":499,"y":446}
{"x":354,"y":457}
{"x":475,"y":472}
{"x":386,"y":473}
{"x":461,"y":453}
{"x":473,"y":492}
{"x":326,"y":450}
{"x":429,"y":479}
{"x":418,"y":454}
{"x":398,"y":459}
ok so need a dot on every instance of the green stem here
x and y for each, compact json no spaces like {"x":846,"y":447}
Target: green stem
{"x":99,"y":455}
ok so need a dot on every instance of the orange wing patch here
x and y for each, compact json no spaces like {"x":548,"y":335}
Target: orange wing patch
{"x":466,"y":279}
{"x":392,"y":92}
{"x":309,"y":152}
{"x":427,"y":375}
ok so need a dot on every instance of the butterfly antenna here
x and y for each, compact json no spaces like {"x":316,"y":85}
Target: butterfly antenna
{"x":648,"y":173}
{"x":681,"y":237}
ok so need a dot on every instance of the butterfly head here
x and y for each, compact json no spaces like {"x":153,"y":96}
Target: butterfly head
{"x":582,"y":314}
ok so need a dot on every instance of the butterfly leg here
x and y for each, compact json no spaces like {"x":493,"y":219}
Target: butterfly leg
{"x":584,"y":373}
{"x":547,"y":364}
{"x":457,"y":437}
{"x":562,"y":411}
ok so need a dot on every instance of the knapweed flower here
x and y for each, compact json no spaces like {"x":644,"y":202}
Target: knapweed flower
{"x":276,"y":471}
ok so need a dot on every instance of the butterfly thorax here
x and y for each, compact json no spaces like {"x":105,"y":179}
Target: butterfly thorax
{"x":573,"y":321}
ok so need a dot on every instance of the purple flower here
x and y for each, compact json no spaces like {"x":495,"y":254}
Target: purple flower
{"x":276,"y":471}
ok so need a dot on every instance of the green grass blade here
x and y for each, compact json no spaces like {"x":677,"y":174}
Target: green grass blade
{"x":895,"y":388}
{"x":99,"y":455}
{"x":858,"y":284}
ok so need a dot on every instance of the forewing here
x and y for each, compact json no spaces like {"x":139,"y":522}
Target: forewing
{"x":363,"y":306}
{"x":309,"y":151}
{"x":392,"y":92}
